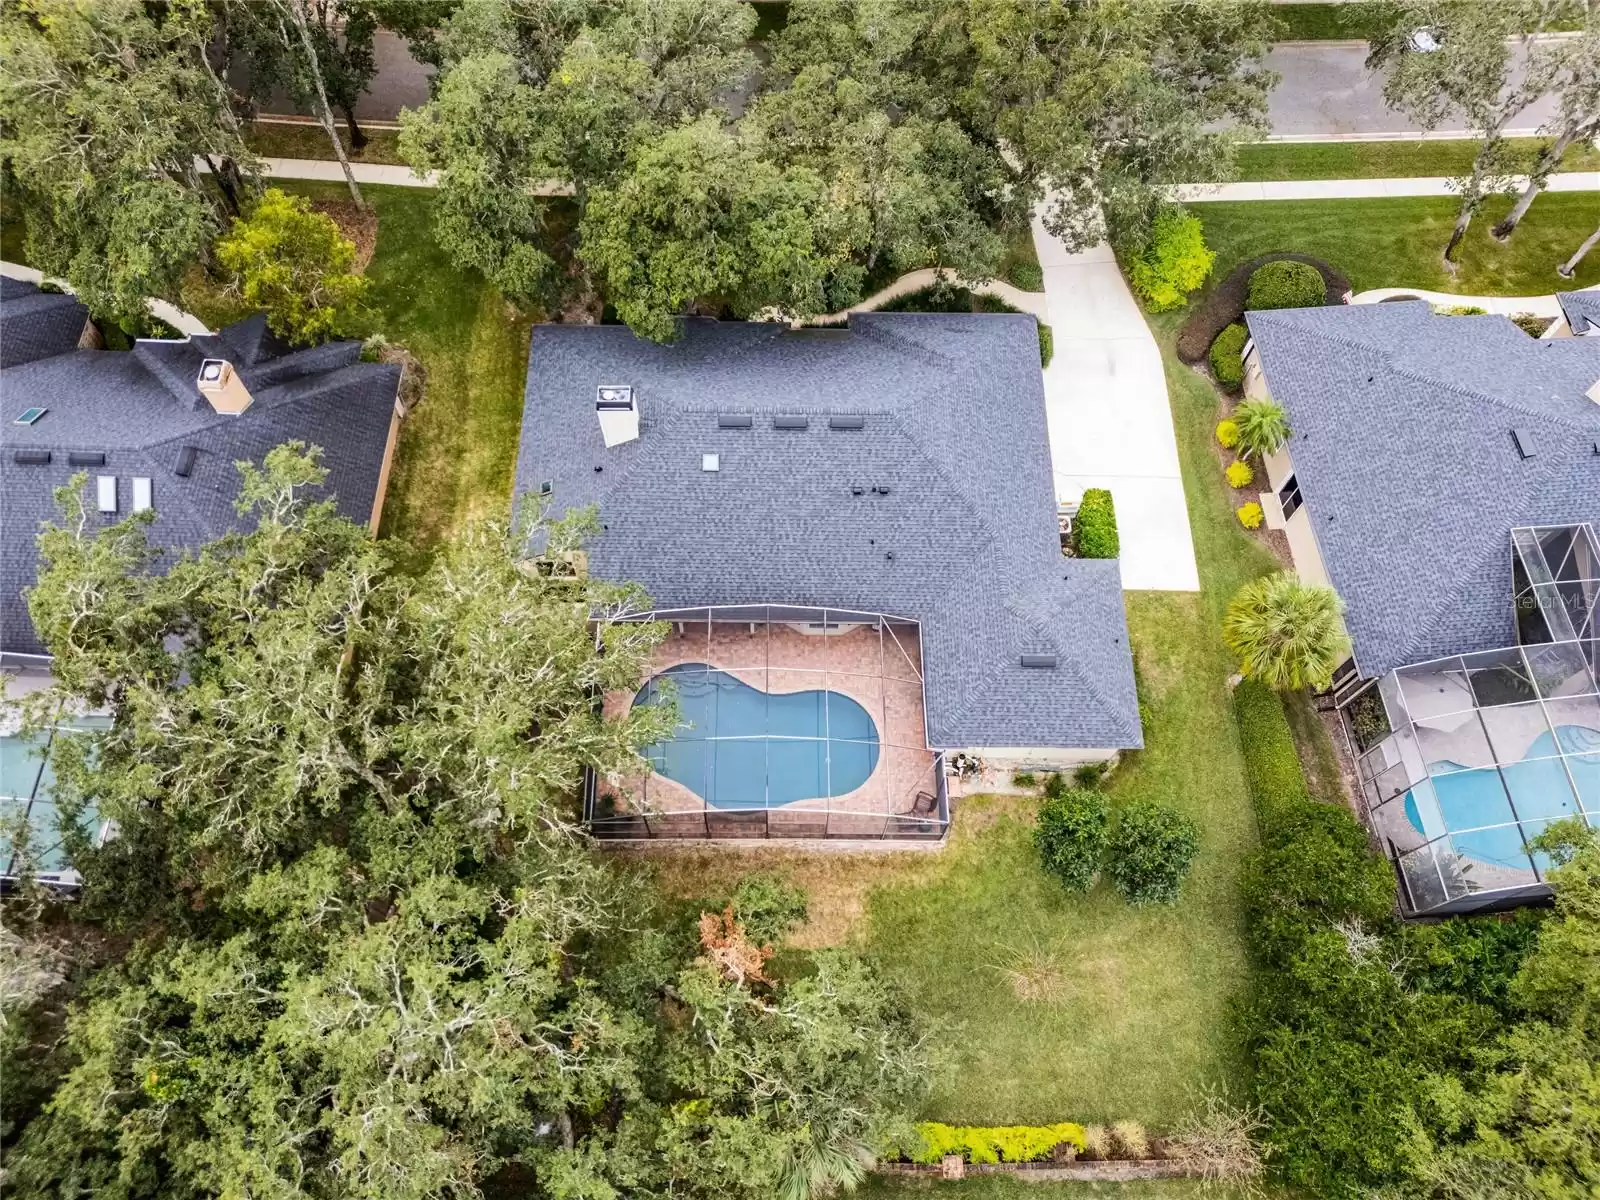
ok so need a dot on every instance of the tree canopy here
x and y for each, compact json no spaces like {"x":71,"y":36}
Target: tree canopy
{"x":351,"y":944}
{"x":104,"y":109}
{"x":889,"y":137}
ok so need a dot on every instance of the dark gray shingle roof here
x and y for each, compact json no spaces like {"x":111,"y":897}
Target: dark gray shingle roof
{"x":1582,"y":310}
{"x":141,"y":409}
{"x":953,"y":425}
{"x":1403,"y":450}
{"x":36,"y":324}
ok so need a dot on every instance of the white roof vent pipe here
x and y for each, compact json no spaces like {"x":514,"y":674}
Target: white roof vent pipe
{"x":618,"y":411}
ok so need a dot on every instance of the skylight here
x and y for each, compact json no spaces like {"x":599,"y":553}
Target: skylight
{"x":30,"y":415}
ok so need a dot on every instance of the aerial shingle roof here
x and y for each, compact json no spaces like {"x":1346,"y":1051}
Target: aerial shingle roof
{"x":143,"y":412}
{"x":1405,"y":456}
{"x":960,"y":534}
{"x":1582,"y":310}
{"x":35,"y":324}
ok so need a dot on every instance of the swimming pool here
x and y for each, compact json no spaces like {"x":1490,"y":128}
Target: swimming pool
{"x":1471,"y":798}
{"x":740,"y":747}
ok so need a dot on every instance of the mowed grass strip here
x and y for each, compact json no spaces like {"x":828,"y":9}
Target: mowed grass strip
{"x":1266,"y":161}
{"x":274,"y":140}
{"x":458,"y":449}
{"x":1399,"y":241}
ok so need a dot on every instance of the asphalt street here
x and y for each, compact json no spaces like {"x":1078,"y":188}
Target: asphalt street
{"x":1326,"y":89}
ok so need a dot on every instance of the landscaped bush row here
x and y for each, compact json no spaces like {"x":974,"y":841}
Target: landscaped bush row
{"x":1226,"y":364}
{"x":994,"y":1143}
{"x":1225,"y":303}
{"x":1146,"y":852}
{"x":1285,"y":284}
{"x":1094,"y":528}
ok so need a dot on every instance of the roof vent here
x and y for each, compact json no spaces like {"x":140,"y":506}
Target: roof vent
{"x":185,"y":463}
{"x":734,"y":421}
{"x":711,"y":462}
{"x":1039,"y":661}
{"x":1523,"y":438}
{"x":86,"y":458}
{"x":220,"y":384}
{"x":782,"y":421}
{"x":618,"y":411}
{"x":847,"y":422}
{"x":31,"y":458}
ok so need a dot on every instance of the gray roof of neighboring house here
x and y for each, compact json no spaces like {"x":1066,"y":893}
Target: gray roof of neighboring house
{"x":36,"y":324}
{"x":1582,"y":310}
{"x":142,"y":408}
{"x":1404,"y":453}
{"x":965,"y":541}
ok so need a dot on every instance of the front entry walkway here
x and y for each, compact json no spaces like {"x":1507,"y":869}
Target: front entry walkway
{"x":1110,"y":422}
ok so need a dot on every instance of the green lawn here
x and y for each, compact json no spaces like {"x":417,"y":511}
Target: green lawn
{"x":272,"y":140}
{"x":1388,"y":160}
{"x":1142,"y":1018}
{"x":458,"y":449}
{"x":1400,"y":242}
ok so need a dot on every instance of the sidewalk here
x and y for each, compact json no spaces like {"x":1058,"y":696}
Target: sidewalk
{"x":1356,"y":189}
{"x":390,"y":174}
{"x":1110,"y":422}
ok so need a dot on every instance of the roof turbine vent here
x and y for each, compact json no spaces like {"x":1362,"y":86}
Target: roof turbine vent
{"x":618,"y":411}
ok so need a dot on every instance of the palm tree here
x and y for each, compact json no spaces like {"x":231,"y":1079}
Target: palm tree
{"x":1263,"y":427}
{"x":1287,"y":634}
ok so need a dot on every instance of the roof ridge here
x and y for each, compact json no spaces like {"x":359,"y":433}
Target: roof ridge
{"x":894,"y":415}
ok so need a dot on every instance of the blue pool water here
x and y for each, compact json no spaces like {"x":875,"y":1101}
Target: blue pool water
{"x":740,"y":747}
{"x":1470,"y":797}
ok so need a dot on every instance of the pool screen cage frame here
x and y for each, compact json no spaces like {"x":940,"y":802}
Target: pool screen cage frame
{"x":1512,"y":734}
{"x":872,"y":658}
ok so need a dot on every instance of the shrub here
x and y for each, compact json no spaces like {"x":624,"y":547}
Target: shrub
{"x":1460,"y":310}
{"x":1219,"y":1140}
{"x":1150,"y":851}
{"x":1250,"y":515}
{"x":1047,"y":345}
{"x":1094,"y":528}
{"x":1097,"y":1141}
{"x":1024,"y":779}
{"x":1285,"y":284}
{"x":992,"y":1144}
{"x":1227,"y":433}
{"x":1263,"y":427}
{"x":1286,"y":633}
{"x":1091,"y":774}
{"x":768,"y":907}
{"x":1226,"y":364}
{"x":1055,"y":786}
{"x":1130,"y":1139}
{"x":1071,"y":836}
{"x":1532,"y":325}
{"x":1239,"y":474}
{"x":1029,"y":276}
{"x":1175,"y":263}
{"x":295,"y":265}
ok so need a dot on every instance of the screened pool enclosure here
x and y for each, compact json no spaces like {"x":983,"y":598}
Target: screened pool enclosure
{"x":792,"y":723}
{"x":1486,"y":750}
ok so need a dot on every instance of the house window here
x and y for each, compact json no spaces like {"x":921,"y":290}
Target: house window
{"x":106,"y":493}
{"x":141,"y":493}
{"x":1289,"y":496}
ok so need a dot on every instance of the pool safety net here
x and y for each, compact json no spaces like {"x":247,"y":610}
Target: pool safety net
{"x":794,"y":722}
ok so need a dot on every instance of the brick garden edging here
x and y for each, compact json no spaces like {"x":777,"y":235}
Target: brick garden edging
{"x":1095,"y":1170}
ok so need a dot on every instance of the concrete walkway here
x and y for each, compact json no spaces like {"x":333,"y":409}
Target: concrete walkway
{"x":1355,"y":189}
{"x":183,"y":322}
{"x":915,"y":281}
{"x":1538,"y":306}
{"x":328,"y":170}
{"x":1110,"y":422}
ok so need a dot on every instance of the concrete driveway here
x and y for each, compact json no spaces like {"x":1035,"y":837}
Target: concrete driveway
{"x":1110,"y":422}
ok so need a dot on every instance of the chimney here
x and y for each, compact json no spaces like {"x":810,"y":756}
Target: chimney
{"x":1594,"y":391}
{"x":618,"y":412}
{"x":221,"y":385}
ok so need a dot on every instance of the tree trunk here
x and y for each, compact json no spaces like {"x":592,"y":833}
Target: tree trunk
{"x":1463,"y":220}
{"x":324,"y":113}
{"x":358,"y":139}
{"x":1570,"y":268}
{"x":1549,"y":159}
{"x":225,"y":183}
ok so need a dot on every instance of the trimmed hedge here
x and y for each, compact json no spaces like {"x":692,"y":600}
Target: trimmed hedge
{"x":1224,"y":303}
{"x":1094,"y":529}
{"x":1047,"y":344}
{"x":993,"y":1144}
{"x":1226,"y":364}
{"x":1285,"y":284}
{"x":1029,"y":276}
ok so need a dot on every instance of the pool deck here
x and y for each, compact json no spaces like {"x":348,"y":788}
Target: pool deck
{"x":880,"y":670}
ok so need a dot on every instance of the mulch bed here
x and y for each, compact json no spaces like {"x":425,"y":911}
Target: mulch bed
{"x":360,"y":227}
{"x":1224,"y":303}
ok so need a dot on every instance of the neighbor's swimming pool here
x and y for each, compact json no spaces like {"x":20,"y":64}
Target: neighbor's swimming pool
{"x":740,"y":747}
{"x":1474,"y":797}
